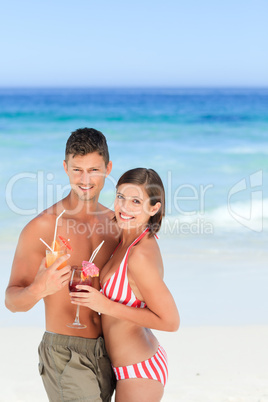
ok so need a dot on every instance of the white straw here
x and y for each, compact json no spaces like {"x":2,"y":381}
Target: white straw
{"x":56,"y":228}
{"x":47,"y":245}
{"x":95,"y":252}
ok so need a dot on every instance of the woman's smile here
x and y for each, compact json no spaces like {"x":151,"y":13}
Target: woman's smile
{"x":125,"y":217}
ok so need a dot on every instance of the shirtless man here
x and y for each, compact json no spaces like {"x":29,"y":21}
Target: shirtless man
{"x":73,"y":363}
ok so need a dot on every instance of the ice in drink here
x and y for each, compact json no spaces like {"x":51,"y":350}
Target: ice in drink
{"x":60,"y":249}
{"x":52,"y":256}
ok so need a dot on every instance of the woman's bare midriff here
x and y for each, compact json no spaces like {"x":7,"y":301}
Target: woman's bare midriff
{"x":127,"y":343}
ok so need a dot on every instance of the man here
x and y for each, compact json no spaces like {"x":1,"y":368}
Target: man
{"x":73,"y":363}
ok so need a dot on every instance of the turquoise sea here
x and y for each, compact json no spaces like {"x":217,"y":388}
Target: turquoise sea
{"x":209,"y":146}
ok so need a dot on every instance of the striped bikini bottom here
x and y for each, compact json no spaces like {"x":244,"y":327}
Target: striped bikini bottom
{"x":155,"y":368}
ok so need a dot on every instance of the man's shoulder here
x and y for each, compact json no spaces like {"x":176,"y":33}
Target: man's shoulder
{"x":107,"y":223}
{"x":105,"y":213}
{"x":45,"y":220}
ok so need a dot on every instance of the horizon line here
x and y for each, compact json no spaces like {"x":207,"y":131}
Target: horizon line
{"x":134,"y":87}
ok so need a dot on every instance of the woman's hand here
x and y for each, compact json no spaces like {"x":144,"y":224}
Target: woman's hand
{"x":92,"y":299}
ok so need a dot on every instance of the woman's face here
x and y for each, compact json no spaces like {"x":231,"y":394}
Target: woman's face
{"x":132,"y":206}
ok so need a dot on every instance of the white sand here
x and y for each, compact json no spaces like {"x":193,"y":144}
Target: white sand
{"x":207,"y":364}
{"x":217,"y":363}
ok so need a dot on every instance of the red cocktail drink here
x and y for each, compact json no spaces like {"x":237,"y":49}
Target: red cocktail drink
{"x":79,"y":277}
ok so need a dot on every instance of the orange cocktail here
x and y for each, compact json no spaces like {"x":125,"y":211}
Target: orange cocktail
{"x":52,"y":256}
{"x":60,"y":249}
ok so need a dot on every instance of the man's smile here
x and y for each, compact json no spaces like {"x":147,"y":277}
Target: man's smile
{"x":85,"y":188}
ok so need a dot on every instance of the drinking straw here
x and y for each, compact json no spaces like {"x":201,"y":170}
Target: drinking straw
{"x":54,"y":241}
{"x":47,"y":245}
{"x":95,"y":252}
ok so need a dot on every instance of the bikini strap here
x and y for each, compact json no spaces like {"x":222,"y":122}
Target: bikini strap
{"x":116,"y":248}
{"x":139,"y":238}
{"x":133,"y":244}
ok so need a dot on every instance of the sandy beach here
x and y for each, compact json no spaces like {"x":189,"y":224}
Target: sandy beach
{"x":220,"y":352}
{"x":207,"y":364}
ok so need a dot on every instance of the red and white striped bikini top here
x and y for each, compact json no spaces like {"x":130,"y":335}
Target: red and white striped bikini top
{"x":117,"y":287}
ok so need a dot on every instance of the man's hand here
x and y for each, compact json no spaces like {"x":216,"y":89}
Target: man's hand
{"x":50,"y":280}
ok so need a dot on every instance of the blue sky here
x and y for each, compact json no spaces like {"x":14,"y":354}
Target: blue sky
{"x":134,"y":43}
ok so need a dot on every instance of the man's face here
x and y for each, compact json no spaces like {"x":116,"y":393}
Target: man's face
{"x":87,"y":174}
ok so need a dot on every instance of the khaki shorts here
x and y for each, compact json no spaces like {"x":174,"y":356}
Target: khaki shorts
{"x":75,"y":369}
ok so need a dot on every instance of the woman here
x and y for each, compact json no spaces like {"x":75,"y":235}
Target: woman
{"x":133,"y":295}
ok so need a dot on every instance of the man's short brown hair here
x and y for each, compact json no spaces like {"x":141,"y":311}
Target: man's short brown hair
{"x":85,"y":141}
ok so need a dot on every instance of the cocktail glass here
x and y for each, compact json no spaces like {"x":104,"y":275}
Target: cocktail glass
{"x":51,"y":257}
{"x":78,"y":278}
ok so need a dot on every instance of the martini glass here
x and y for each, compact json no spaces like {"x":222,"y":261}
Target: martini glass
{"x":78,"y":278}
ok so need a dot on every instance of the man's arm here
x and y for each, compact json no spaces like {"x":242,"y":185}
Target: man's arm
{"x":30,"y":280}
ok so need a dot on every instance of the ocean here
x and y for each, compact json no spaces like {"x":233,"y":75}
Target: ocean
{"x":208,"y":145}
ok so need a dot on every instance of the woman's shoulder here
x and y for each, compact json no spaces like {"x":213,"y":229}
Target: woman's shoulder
{"x":146,"y":253}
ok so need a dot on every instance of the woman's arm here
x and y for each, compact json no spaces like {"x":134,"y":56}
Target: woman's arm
{"x":144,"y":269}
{"x":168,"y":321}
